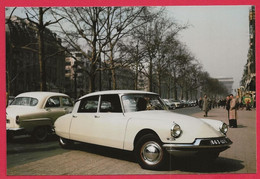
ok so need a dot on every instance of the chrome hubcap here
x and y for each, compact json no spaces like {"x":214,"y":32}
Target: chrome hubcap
{"x":151,"y":153}
{"x":62,"y":141}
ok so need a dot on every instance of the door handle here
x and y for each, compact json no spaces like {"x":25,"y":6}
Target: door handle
{"x":74,"y":116}
{"x":96,"y":116}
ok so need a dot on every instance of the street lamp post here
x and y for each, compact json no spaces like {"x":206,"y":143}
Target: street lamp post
{"x":75,"y":79}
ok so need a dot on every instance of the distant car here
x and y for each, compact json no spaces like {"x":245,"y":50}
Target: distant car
{"x":34,"y":113}
{"x":192,"y":103}
{"x":176,"y":102}
{"x":185,"y":103}
{"x":140,"y":122}
{"x":169,"y":104}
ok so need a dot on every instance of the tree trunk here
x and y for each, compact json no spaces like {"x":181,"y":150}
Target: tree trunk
{"x":114,"y":85}
{"x":150,"y":82}
{"x":41,"y":52}
{"x":159,"y":82}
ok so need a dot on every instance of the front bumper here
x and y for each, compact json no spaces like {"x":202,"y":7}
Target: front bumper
{"x":15,"y":131}
{"x":209,"y":145}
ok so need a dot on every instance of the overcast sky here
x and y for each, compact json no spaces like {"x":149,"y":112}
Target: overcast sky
{"x":218,"y":36}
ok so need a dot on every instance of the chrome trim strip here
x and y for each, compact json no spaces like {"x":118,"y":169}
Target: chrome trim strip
{"x":197,"y":144}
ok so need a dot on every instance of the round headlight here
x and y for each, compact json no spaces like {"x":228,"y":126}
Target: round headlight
{"x":176,"y":130}
{"x":224,"y":128}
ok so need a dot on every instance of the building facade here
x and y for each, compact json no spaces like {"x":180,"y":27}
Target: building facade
{"x":250,"y":79}
{"x":22,"y":62}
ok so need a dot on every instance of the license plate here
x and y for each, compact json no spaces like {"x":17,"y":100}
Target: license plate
{"x":218,"y":141}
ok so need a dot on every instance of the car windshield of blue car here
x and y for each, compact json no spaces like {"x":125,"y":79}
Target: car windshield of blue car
{"x":142,"y":102}
{"x":25,"y":101}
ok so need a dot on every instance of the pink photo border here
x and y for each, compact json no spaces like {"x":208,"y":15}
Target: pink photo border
{"x":46,"y":3}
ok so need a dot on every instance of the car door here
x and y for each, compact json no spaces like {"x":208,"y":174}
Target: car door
{"x":54,"y":108}
{"x":110,"y":122}
{"x":82,"y":123}
{"x":67,"y":104}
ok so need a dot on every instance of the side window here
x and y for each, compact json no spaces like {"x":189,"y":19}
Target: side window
{"x":110,"y":103}
{"x":66,"y":101}
{"x":53,"y":102}
{"x":88,"y":105}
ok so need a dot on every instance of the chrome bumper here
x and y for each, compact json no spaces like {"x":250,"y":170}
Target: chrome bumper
{"x":14,"y":129}
{"x":205,"y":144}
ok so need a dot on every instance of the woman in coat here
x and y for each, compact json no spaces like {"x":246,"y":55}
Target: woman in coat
{"x":205,"y":106}
{"x":233,"y":113}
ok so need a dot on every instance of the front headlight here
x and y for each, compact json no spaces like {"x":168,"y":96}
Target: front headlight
{"x":224,"y":128}
{"x":176,"y":130}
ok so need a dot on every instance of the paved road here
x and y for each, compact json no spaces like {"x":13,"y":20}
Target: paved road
{"x":25,"y":158}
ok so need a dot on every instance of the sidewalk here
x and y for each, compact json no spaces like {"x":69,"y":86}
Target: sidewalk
{"x":243,"y":148}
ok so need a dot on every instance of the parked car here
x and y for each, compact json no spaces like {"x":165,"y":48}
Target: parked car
{"x":176,"y":102}
{"x":140,"y":122}
{"x":34,"y":113}
{"x":10,"y":99}
{"x":169,"y":104}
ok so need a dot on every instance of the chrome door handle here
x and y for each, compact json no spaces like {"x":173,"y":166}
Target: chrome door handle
{"x":96,"y":116}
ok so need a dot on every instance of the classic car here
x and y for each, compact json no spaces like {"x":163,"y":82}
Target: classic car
{"x":176,"y":102}
{"x":169,"y":104}
{"x":140,"y":122}
{"x":34,"y":113}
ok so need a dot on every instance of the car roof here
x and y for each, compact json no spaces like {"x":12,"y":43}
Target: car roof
{"x":117,"y":92}
{"x":40,"y":94}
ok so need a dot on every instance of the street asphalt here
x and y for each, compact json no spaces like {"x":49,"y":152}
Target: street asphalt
{"x":94,"y":160}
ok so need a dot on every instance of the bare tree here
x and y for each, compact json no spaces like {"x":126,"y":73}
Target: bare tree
{"x":99,"y":30}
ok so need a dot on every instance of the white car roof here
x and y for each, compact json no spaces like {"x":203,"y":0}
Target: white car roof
{"x":40,"y":94}
{"x":118,"y":92}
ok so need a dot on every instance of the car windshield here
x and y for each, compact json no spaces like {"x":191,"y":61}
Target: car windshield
{"x":142,"y":102}
{"x":25,"y":101}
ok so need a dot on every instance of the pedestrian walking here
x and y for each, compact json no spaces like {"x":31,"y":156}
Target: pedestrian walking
{"x":228,"y":106}
{"x":233,"y":112}
{"x":205,"y":105}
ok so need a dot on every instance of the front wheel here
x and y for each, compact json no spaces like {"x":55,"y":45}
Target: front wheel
{"x":149,"y":152}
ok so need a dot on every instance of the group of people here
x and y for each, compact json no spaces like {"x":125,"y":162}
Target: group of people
{"x":231,"y":107}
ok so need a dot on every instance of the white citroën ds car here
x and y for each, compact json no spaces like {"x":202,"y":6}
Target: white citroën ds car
{"x":139,"y":121}
{"x":34,"y":113}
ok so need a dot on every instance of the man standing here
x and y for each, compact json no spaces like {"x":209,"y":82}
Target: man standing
{"x":205,"y":106}
{"x":228,"y":99}
{"x":232,"y":112}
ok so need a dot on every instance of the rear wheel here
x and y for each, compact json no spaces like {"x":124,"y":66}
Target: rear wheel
{"x":149,"y":152}
{"x":40,"y":133}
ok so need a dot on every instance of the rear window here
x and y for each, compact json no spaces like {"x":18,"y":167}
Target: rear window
{"x":25,"y":101}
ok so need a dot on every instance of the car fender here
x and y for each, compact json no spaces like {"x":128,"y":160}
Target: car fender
{"x":62,"y":125}
{"x":191,"y":127}
{"x":136,"y":125}
{"x":216,"y":124}
{"x":30,"y":124}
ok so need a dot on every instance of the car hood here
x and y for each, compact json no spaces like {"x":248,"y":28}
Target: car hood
{"x":191,"y":127}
